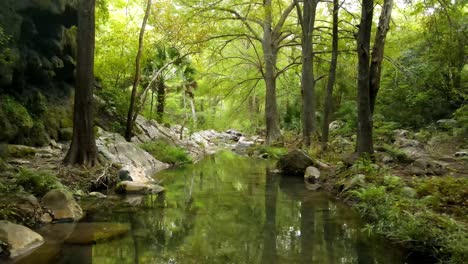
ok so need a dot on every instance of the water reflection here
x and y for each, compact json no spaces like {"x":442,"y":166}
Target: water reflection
{"x":227,"y":209}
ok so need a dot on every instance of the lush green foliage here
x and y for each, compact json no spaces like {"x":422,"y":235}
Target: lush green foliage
{"x":166,"y":152}
{"x":268,"y":151}
{"x":37,"y":182}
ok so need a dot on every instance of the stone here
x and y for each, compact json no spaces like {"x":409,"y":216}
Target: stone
{"x":97,"y":195}
{"x":129,"y":187}
{"x":20,"y":239}
{"x":446,"y":123}
{"x":124,"y":175}
{"x":295,"y":163}
{"x":312,"y":174}
{"x":408,"y":192}
{"x":141,"y":165}
{"x":356,"y":181}
{"x":90,"y":233}
{"x":19,"y":162}
{"x":335,"y":125}
{"x":62,"y":206}
{"x":46,"y":218}
{"x":461,"y":154}
{"x":427,"y":166}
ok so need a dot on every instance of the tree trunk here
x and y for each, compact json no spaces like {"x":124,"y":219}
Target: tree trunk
{"x":161,"y":100}
{"x":83,"y":146}
{"x":378,"y":51}
{"x":307,"y":80}
{"x":270,"y":52}
{"x":364,"y":131}
{"x":136,"y":80}
{"x":331,"y":77}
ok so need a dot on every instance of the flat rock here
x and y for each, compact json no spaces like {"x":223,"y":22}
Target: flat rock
{"x":130,"y":187}
{"x":20,"y":239}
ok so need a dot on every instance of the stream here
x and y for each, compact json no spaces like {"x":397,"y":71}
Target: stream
{"x":224,"y":209}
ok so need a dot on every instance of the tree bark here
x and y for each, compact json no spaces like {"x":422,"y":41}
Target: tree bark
{"x":161,"y":100}
{"x":270,"y":52}
{"x":83,"y":146}
{"x":378,"y":51}
{"x":307,"y":79}
{"x":136,"y":80}
{"x":364,"y":131}
{"x":331,"y":77}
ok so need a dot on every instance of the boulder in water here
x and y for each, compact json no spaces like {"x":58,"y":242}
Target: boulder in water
{"x":19,"y":239}
{"x":312,"y":178}
{"x":62,"y":205}
{"x":295,"y":163}
{"x":129,"y":187}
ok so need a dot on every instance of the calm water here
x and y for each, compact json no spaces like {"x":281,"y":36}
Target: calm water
{"x":226,"y":209}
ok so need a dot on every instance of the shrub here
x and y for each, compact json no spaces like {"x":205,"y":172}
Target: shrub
{"x":167,"y":153}
{"x":37,"y":182}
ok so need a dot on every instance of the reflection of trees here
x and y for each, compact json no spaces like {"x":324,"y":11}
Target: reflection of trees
{"x":269,"y":231}
{"x":307,"y":229}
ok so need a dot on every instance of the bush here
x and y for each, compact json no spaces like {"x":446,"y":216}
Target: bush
{"x":167,"y":153}
{"x":37,"y":182}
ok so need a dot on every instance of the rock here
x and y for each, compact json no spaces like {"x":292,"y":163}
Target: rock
{"x":90,"y":233}
{"x":242,"y":145}
{"x":20,"y":239}
{"x":350,"y":158}
{"x":355,"y":181}
{"x":404,"y":143}
{"x":97,"y":195}
{"x":79,"y":193}
{"x":124,"y":175}
{"x":427,"y":166}
{"x":139,"y":163}
{"x":19,"y":151}
{"x":53,"y":144}
{"x":19,"y":162}
{"x":295,"y":163}
{"x":29,"y":206}
{"x":233,"y":134}
{"x":408,"y":192}
{"x":461,"y":154}
{"x":134,"y":200}
{"x":46,"y":218}
{"x":387,"y":159}
{"x":401,"y":133}
{"x":129,"y":187}
{"x":66,"y":134}
{"x":335,"y":125}
{"x":312,"y":178}
{"x":62,"y":205}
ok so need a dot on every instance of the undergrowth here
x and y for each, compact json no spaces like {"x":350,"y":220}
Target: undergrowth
{"x":167,"y":153}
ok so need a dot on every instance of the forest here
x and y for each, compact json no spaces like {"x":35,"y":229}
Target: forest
{"x":235,"y":131}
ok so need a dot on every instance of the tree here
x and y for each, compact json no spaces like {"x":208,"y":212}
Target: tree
{"x":83,"y":146}
{"x":307,"y":21}
{"x":136,"y":80}
{"x":378,"y":51}
{"x":364,"y":130}
{"x":331,"y":77}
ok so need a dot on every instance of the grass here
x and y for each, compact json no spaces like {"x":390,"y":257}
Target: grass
{"x":270,"y":151}
{"x":433,"y":220}
{"x":167,"y":153}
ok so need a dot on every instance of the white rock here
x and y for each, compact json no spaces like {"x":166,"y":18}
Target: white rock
{"x":20,"y":239}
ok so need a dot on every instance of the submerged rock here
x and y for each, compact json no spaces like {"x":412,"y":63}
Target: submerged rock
{"x":129,"y":187}
{"x":62,"y":206}
{"x":90,"y":233}
{"x":19,"y":239}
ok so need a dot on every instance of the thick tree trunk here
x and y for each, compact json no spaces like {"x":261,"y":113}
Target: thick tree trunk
{"x":161,"y":100}
{"x":307,"y":80}
{"x":83,"y":146}
{"x":378,"y":51}
{"x":270,"y":52}
{"x":364,"y":132}
{"x":331,"y":77}
{"x":136,"y":80}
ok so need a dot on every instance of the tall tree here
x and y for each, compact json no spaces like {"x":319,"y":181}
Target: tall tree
{"x":307,"y":21}
{"x":83,"y":146}
{"x":378,"y":51}
{"x":136,"y":79}
{"x":364,"y":130}
{"x":331,"y":77}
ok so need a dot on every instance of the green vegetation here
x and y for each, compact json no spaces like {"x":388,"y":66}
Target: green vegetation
{"x":267,"y":151}
{"x":426,"y":214}
{"x":37,"y":182}
{"x":166,"y":152}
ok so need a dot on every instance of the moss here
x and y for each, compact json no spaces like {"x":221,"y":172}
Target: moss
{"x":37,"y":182}
{"x":167,"y":153}
{"x":15,"y":118}
{"x":18,"y":151}
{"x":397,"y":154}
{"x":37,"y":136}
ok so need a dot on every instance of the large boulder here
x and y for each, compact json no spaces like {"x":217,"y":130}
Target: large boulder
{"x":295,"y":163}
{"x":19,"y":239}
{"x":139,"y":164}
{"x":427,"y":166}
{"x":62,"y":205}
